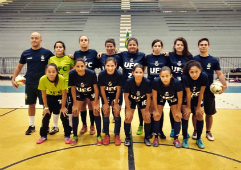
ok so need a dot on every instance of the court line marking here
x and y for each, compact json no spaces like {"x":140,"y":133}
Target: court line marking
{"x":131,"y":160}
{"x":8,"y":112}
{"x":18,"y":162}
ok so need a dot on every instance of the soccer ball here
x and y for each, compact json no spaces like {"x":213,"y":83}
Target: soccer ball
{"x":20,"y":80}
{"x":216,"y":87}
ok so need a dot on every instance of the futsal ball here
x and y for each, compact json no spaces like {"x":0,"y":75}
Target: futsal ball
{"x":20,"y":80}
{"x":216,"y":88}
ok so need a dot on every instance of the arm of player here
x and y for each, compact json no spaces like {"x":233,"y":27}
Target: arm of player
{"x":199,"y":109}
{"x":17,"y":70}
{"x":97,"y":104}
{"x":147,"y":110}
{"x":128,"y":107}
{"x":179,"y":104}
{"x":117,"y":107}
{"x":221,"y":77}
{"x":105,"y":106}
{"x":63,"y":109}
{"x":46,"y":108}
{"x":75,"y":105}
{"x":154,"y":98}
{"x":187,"y":109}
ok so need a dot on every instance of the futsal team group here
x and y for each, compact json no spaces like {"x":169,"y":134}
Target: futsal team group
{"x":66,"y":84}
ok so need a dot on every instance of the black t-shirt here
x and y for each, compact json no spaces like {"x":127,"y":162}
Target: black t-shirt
{"x":83,"y":84}
{"x":166,"y":92}
{"x":154,"y":63}
{"x":36,"y":62}
{"x":176,"y":63}
{"x":90,"y":57}
{"x":110,"y":81}
{"x":104,"y":57}
{"x":195,"y":85}
{"x":137,"y":93}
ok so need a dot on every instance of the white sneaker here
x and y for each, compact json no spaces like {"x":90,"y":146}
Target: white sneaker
{"x":194,"y":135}
{"x":210,"y":136}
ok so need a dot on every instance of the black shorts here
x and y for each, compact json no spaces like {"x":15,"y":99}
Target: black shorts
{"x":162,"y":102}
{"x":194,"y":101}
{"x":111,"y":97}
{"x":209,"y":103}
{"x":83,"y":96}
{"x":141,"y":104}
{"x":32,"y":93}
{"x":54,"y":104}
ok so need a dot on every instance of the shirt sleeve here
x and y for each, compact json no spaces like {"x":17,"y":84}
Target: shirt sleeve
{"x":149,"y":89}
{"x":41,"y":85}
{"x":71,"y":79}
{"x":63,"y":87}
{"x":178,"y":86}
{"x":94,"y":79}
{"x":217,"y":65}
{"x":100,"y":80}
{"x":185,"y":81}
{"x":127,"y":86}
{"x":204,"y":80}
{"x":119,"y":80}
{"x":154,"y":85}
{"x":22,"y":59}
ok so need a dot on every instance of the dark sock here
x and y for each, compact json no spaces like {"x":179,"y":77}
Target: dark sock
{"x":171,"y":119}
{"x":75,"y":125}
{"x":184,"y":128}
{"x":127,"y":128}
{"x":199,"y":128}
{"x":92,"y":118}
{"x":147,"y":129}
{"x":140,"y":117}
{"x":106,"y":121}
{"x":156,"y":125}
{"x":83,"y":117}
{"x":177,"y":127}
{"x":207,"y":131}
{"x":98,"y":125}
{"x":117,"y":125}
{"x":161,"y":122}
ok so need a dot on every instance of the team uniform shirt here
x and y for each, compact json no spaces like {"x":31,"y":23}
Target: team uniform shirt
{"x":195,"y":86}
{"x":90,"y":58}
{"x":110,"y":82}
{"x":104,"y":57}
{"x":176,"y":63}
{"x":209,"y":65}
{"x":128,"y":62}
{"x":154,"y":63}
{"x":137,"y":94}
{"x":83,"y":84}
{"x":36,"y":62}
{"x":168,"y":93}
{"x":64,"y":65}
{"x":49,"y":86}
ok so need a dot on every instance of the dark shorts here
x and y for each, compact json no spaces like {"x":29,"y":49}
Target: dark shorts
{"x":31,"y":94}
{"x":162,"y":102}
{"x":54,"y":104}
{"x":141,"y":104}
{"x":82,"y":97}
{"x":111,"y":98}
{"x":209,"y":103}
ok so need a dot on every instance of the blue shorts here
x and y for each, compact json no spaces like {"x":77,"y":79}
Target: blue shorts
{"x":83,"y":96}
{"x":141,"y":104}
{"x":111,"y":98}
{"x":162,"y":102}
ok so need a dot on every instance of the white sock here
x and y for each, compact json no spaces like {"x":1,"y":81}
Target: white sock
{"x":70,"y":120}
{"x":56,"y":120}
{"x":31,"y":120}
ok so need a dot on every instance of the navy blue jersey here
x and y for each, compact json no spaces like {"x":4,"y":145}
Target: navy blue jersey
{"x":209,"y":65}
{"x":154,"y":63}
{"x":176,"y":63}
{"x":195,"y":85}
{"x":36,"y":62}
{"x":90,"y":57}
{"x":166,"y":92}
{"x":104,"y":57}
{"x":137,"y":93}
{"x":128,"y":62}
{"x":110,"y":81}
{"x":83,"y":84}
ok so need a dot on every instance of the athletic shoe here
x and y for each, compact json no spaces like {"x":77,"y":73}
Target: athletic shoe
{"x":41,"y":140}
{"x":74,"y":140}
{"x":117,"y":140}
{"x":194,"y":135}
{"x":147,"y":142}
{"x":172,"y":133}
{"x":30,"y":130}
{"x":185,"y":143}
{"x":210,"y":136}
{"x":67,"y":140}
{"x":106,"y":141}
{"x":54,"y":130}
{"x":112,"y":119}
{"x":155,"y":142}
{"x":99,"y":141}
{"x":139,"y":131}
{"x":177,"y":143}
{"x":92,"y":130}
{"x":127,"y":142}
{"x":188,"y":136}
{"x":200,"y":143}
{"x":162,"y":135}
{"x":83,"y":129}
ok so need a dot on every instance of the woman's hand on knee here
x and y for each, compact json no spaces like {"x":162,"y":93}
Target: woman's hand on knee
{"x":156,"y":115}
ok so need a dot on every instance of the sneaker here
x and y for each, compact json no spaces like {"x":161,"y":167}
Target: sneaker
{"x":162,"y":135}
{"x":200,"y":143}
{"x":99,"y":141}
{"x":127,"y":142}
{"x":41,"y":140}
{"x":185,"y":143}
{"x":194,"y":135}
{"x":147,"y":142}
{"x":117,"y":140}
{"x":172,"y":133}
{"x":67,"y":140}
{"x":54,"y":130}
{"x":155,"y":142}
{"x":112,"y":118}
{"x":210,"y":136}
{"x":92,"y":130}
{"x":139,"y":131}
{"x":177,"y":143}
{"x":106,"y":141}
{"x":83,"y":129}
{"x":188,"y":136}
{"x":74,"y":140}
{"x":30,"y":130}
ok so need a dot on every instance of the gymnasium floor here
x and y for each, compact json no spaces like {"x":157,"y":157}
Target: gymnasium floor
{"x":19,"y":151}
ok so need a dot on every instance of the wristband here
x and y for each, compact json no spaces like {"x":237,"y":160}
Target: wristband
{"x":46,"y":108}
